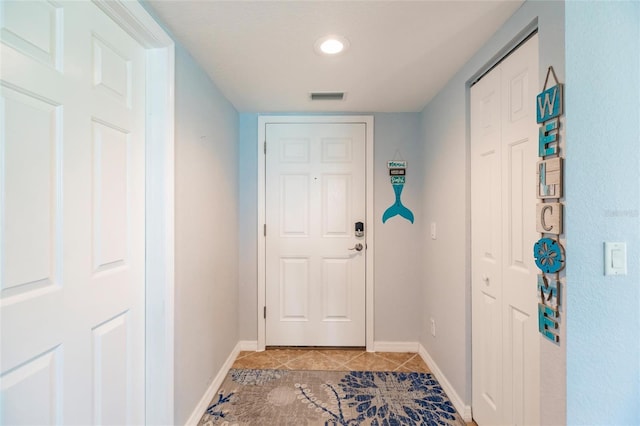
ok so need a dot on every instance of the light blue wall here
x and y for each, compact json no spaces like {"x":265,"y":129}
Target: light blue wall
{"x":206,"y":233}
{"x":603,"y":204}
{"x":398,"y":249}
{"x":248,"y":226}
{"x":446,"y":201}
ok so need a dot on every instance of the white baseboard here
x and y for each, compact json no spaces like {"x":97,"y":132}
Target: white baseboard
{"x":197,"y":413}
{"x":247,"y":345}
{"x":458,"y":403}
{"x":396,"y":347}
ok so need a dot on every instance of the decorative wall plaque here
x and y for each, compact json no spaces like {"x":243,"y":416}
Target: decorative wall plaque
{"x":548,"y":138}
{"x":548,"y":312}
{"x":549,"y":178}
{"x":549,"y":218}
{"x":397,"y":174}
{"x":549,"y":255}
{"x":548,"y":252}
{"x":549,"y":102}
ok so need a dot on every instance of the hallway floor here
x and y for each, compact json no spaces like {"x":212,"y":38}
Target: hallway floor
{"x":332,"y":359}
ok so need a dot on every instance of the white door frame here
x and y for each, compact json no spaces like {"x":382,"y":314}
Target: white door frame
{"x":262,"y":122}
{"x":159,"y":204}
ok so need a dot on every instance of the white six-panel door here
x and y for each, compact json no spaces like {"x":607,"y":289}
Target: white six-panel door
{"x":505,"y":343}
{"x":315,"y":192}
{"x":71,"y":216}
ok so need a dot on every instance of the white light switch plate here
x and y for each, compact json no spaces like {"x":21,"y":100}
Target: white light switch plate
{"x":615,"y":258}
{"x":433,"y":230}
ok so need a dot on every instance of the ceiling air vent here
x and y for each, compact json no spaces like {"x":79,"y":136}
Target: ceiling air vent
{"x":327,"y":96}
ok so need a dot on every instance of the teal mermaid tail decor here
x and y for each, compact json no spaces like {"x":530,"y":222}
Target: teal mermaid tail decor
{"x":397,"y":209}
{"x":397,"y":172}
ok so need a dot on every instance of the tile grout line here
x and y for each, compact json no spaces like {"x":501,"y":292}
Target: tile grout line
{"x":402,"y":365}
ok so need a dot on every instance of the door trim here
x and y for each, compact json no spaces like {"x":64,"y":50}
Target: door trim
{"x":367,"y":120}
{"x":159,"y":204}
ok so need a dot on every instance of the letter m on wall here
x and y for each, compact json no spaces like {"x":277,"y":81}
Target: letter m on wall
{"x":549,"y":104}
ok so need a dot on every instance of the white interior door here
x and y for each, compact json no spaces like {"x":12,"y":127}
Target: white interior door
{"x":506,"y":370}
{"x":72,"y":216}
{"x":315,"y":274}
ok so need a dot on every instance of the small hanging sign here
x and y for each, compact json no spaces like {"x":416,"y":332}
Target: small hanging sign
{"x":549,"y":102}
{"x":397,"y":173}
{"x":395,"y":164}
{"x":548,"y":252}
{"x":548,"y":111}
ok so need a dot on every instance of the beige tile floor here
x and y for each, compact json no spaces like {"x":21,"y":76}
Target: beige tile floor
{"x":333,"y":359}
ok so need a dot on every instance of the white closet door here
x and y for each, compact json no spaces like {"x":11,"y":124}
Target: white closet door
{"x":506,"y":370}
{"x":486,"y":248}
{"x":71,"y":216}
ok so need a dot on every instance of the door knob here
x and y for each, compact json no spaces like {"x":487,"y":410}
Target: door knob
{"x":357,"y":247}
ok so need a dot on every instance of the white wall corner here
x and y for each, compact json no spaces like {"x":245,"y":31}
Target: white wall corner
{"x":201,"y":407}
{"x":412,"y":347}
{"x":463,"y":409}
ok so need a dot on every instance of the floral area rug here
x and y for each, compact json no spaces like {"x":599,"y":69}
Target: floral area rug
{"x":330,"y":398}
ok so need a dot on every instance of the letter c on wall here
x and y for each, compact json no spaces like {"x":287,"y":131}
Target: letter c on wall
{"x":546,"y":207}
{"x":549,"y":218}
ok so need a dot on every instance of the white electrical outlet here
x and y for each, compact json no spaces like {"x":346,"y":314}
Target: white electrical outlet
{"x":433,"y":327}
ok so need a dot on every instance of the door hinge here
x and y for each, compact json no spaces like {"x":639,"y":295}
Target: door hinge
{"x":265,"y":147}
{"x":264,"y":312}
{"x":264,"y":229}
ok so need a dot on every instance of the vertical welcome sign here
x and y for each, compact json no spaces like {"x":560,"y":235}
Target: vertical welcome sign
{"x":547,"y":251}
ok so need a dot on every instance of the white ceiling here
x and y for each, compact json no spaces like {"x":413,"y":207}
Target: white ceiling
{"x":261,"y":56}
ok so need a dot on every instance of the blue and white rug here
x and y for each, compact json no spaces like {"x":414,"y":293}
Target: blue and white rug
{"x":330,"y":398}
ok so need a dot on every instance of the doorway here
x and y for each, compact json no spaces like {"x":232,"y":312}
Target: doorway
{"x":315,"y":272}
{"x":505,"y":340}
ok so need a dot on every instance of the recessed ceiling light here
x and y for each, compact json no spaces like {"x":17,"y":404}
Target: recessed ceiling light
{"x":331,"y":45}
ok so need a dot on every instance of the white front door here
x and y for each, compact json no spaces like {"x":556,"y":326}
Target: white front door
{"x":315,"y":263}
{"x":71,"y":216}
{"x":506,"y":370}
